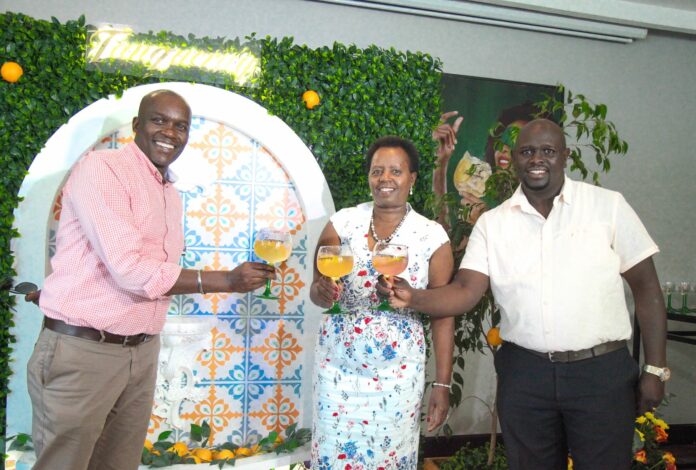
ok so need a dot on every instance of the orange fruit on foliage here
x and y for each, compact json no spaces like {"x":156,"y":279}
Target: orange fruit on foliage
{"x":310,"y":98}
{"x":179,"y":448}
{"x":223,"y":454}
{"x":11,"y":71}
{"x":203,"y":454}
{"x":493,"y":337}
{"x":244,"y":452}
{"x":148,"y":444}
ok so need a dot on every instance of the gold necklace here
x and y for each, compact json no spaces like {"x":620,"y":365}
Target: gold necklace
{"x":389,"y":238}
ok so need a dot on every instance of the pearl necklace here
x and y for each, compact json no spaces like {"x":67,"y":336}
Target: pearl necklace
{"x":389,"y":238}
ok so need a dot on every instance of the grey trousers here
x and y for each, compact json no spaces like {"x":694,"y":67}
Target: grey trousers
{"x":91,"y":402}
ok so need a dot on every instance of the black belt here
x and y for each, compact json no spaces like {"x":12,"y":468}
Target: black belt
{"x":572,"y":356}
{"x":100,"y":336}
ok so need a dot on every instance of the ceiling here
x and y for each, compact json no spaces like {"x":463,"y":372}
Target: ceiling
{"x":665,"y":15}
{"x":622,"y":21}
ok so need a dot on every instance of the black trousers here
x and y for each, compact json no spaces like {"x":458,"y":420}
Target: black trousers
{"x":549,"y":409}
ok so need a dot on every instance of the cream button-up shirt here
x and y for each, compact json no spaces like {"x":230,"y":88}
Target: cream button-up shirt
{"x":557,"y":280}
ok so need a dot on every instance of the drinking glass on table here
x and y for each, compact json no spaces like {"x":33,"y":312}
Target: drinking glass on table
{"x":684,"y":291}
{"x":335,"y":261}
{"x":272,"y":246}
{"x":389,"y":259}
{"x":668,"y":288}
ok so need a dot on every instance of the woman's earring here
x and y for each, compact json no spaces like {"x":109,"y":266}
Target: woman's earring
{"x":410,"y":191}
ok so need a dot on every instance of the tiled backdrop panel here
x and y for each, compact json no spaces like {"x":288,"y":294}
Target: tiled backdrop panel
{"x":252,"y":370}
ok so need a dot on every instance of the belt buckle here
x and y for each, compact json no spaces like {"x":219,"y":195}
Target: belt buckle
{"x":136,"y":339}
{"x":559,"y":356}
{"x":127,"y":340}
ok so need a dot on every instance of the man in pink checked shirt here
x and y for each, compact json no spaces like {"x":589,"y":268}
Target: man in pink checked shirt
{"x":92,"y":373}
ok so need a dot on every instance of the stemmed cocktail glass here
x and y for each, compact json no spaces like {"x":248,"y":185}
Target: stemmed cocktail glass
{"x":335,"y":261}
{"x":684,"y":291}
{"x":668,"y":289}
{"x":272,"y":246}
{"x":389,"y":259}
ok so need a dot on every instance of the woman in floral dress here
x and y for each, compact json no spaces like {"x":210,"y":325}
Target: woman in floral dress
{"x":369,"y":367}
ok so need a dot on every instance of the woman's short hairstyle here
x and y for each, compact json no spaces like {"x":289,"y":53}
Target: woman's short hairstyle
{"x":391,"y":141}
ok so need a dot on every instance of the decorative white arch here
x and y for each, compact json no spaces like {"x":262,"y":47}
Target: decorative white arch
{"x":50,"y":168}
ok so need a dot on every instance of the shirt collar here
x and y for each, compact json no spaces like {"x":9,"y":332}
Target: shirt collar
{"x":170,"y":176}
{"x":518,"y":198}
{"x":567,"y":191}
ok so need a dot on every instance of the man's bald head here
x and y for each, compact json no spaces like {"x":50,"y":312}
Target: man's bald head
{"x":162,"y":127}
{"x":541,"y":125}
{"x":539,"y":159}
{"x":148,"y":99}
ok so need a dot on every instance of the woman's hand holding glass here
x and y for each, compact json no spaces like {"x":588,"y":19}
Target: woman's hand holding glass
{"x":334,"y":261}
{"x":389,"y":259}
{"x":272,"y":246}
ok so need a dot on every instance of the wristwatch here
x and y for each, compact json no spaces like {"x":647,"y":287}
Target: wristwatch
{"x":663,"y":373}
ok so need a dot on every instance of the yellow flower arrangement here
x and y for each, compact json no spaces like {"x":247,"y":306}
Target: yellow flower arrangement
{"x":650,"y":432}
{"x":165,"y":452}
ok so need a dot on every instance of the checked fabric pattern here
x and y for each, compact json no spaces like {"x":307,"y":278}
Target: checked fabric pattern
{"x":251,"y":373}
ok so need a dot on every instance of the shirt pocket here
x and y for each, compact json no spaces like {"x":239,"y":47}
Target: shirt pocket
{"x":587,"y":247}
{"x":514,"y":260}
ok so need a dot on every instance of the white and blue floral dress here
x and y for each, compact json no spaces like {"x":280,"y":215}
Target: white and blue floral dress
{"x":370,"y":366}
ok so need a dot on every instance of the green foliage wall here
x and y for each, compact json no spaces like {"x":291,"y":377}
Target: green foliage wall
{"x":365,"y":93}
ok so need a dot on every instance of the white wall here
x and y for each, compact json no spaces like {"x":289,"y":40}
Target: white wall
{"x":648,"y":87}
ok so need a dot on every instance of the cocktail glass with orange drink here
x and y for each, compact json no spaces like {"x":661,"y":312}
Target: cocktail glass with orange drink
{"x":389,"y":259}
{"x":272,"y":246}
{"x":335,"y":261}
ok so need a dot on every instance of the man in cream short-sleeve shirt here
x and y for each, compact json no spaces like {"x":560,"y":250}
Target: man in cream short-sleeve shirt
{"x":555,"y":256}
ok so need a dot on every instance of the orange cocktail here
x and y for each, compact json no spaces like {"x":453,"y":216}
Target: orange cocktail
{"x":335,"y":266}
{"x":390,"y":265}
{"x":334,"y":261}
{"x":390,"y":260}
{"x":272,"y":246}
{"x":272,"y":251}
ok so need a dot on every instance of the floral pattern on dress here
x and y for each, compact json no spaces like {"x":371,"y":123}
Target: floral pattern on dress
{"x":370,"y":365}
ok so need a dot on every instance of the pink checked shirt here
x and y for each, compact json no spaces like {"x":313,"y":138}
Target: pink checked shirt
{"x":118,"y":245}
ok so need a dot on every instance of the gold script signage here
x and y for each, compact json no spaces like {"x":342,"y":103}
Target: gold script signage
{"x":108,"y":45}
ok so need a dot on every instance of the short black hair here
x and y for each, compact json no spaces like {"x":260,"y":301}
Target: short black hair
{"x":391,"y":141}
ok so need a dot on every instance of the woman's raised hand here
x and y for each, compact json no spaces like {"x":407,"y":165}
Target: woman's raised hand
{"x":446,"y":135}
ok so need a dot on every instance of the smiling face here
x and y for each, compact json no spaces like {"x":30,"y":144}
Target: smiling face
{"x":162,"y":127}
{"x":502,"y":156}
{"x":539,"y":158}
{"x":390,"y":178}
